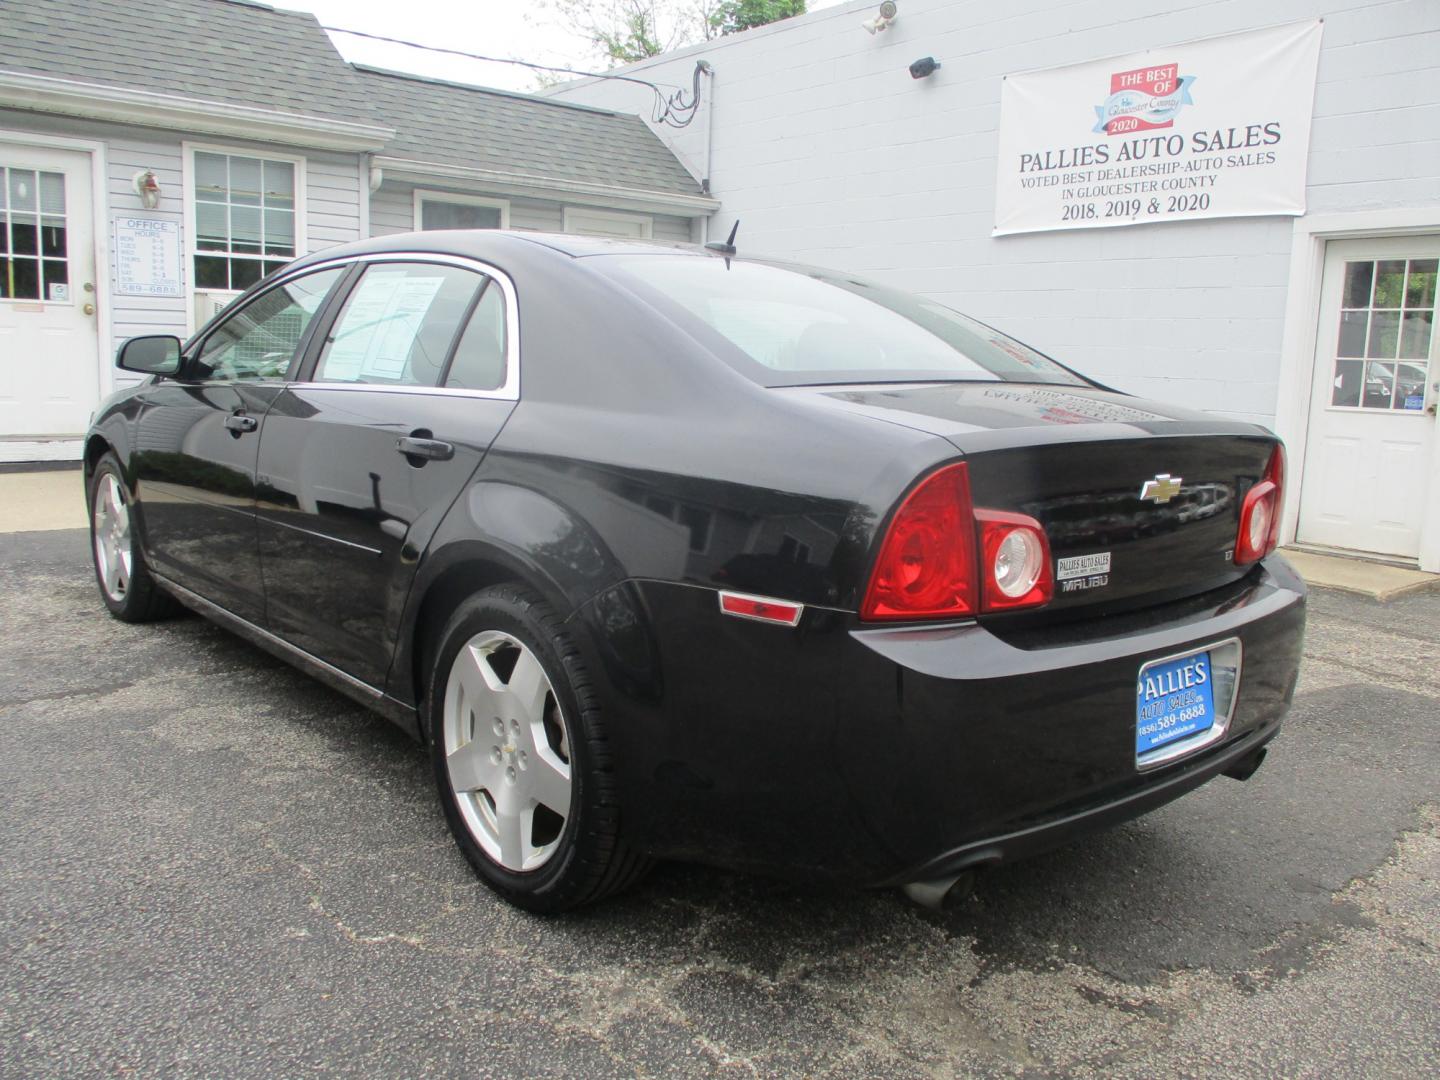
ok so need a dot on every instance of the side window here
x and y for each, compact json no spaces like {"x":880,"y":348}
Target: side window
{"x":259,"y":340}
{"x":479,"y":362}
{"x":399,"y":325}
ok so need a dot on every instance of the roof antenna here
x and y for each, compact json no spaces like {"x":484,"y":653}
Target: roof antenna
{"x":725,"y":247}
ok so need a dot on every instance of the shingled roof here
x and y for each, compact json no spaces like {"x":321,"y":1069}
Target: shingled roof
{"x":238,"y":52}
{"x":229,"y":51}
{"x":449,"y":123}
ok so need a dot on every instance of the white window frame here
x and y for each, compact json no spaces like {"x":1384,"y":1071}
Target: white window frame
{"x":423,"y":195}
{"x":573,"y":216}
{"x":187,"y":175}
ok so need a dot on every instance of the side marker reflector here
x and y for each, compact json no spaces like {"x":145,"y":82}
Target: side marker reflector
{"x":763,"y":608}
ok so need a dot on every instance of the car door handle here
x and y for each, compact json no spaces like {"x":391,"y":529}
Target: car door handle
{"x":429,"y":449}
{"x":239,"y":423}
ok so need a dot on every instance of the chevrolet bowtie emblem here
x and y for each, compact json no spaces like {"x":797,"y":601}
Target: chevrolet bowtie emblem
{"x":1162,"y":489}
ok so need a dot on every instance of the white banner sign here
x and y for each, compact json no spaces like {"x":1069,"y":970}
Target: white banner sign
{"x":147,"y":258}
{"x":1214,"y":128}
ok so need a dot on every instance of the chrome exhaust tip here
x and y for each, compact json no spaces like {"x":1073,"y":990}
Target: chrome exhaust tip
{"x":942,"y":893}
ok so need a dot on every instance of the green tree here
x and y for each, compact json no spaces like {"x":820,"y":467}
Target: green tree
{"x":732,"y":16}
{"x":624,"y":31}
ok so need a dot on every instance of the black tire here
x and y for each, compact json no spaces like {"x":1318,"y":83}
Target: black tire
{"x":139,"y":599}
{"x":590,"y":859}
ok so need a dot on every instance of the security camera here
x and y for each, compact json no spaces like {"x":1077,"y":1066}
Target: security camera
{"x":888,"y":11}
{"x":924,"y":67}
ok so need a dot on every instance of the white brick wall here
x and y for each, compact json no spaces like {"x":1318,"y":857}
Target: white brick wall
{"x":828,"y":151}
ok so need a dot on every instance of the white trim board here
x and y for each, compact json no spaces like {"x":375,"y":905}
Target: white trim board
{"x":1297,"y":348}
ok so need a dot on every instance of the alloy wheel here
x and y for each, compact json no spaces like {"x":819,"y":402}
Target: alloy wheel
{"x":111,"y":520}
{"x":507,"y":751}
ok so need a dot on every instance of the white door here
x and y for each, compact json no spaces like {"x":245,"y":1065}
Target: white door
{"x":1371,"y":453}
{"x":49,"y":363}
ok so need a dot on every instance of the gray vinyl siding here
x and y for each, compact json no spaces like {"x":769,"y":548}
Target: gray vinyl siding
{"x":392,"y":210}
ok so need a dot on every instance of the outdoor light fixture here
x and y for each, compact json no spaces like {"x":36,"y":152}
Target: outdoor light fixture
{"x":924,"y":67}
{"x":147,"y":186}
{"x":888,"y":11}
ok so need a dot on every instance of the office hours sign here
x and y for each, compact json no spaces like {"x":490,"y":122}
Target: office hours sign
{"x":1213,"y":128}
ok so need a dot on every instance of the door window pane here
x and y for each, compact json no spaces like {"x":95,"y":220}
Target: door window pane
{"x":52,"y":237}
{"x":245,"y":212}
{"x":1420,"y":285}
{"x":22,"y":189}
{"x":52,"y":193}
{"x":24,"y":237}
{"x":479,"y":362}
{"x":1415,"y":335}
{"x":1353,"y":327}
{"x":1357,"y":284}
{"x":259,"y":340}
{"x":1379,"y":385}
{"x":21,"y":279}
{"x":1410,"y":387}
{"x":1384,"y":334}
{"x":1346,"y":392}
{"x":1389,"y":283}
{"x":398,"y":325}
{"x":436,"y":214}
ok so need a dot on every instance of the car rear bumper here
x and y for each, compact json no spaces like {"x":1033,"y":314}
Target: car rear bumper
{"x":884,"y":755}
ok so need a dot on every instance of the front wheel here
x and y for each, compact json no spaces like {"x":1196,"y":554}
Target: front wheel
{"x":126,"y":585}
{"x":520,"y":757}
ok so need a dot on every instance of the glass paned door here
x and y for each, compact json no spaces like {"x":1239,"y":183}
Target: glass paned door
{"x":1370,"y":454}
{"x":51,"y":367}
{"x":34,"y":239}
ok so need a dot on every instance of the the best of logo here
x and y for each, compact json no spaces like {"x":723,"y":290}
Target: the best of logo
{"x":1144,"y":99}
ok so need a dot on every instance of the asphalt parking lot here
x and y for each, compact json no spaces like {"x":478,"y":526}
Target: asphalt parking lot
{"x":212,"y":866}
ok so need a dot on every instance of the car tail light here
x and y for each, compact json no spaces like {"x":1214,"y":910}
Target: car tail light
{"x":1260,"y":513}
{"x":926,"y":567}
{"x":1014,"y":560}
{"x":942,"y":558}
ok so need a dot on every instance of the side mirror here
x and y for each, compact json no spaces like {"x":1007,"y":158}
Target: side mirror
{"x":157,"y":354}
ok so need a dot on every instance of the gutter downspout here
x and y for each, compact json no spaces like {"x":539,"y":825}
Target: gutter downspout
{"x":709,"y":148}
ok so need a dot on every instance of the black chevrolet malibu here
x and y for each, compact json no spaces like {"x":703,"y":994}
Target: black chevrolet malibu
{"x":665,"y":553}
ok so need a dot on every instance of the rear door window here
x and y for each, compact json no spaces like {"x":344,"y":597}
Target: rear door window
{"x":479,"y":361}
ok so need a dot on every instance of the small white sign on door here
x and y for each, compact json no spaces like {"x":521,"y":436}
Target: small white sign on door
{"x":147,"y":257}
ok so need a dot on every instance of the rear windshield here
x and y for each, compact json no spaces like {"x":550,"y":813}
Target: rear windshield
{"x":786,"y":325}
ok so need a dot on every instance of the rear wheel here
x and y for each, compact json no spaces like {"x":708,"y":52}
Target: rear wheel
{"x":520,"y":757}
{"x":126,"y":585}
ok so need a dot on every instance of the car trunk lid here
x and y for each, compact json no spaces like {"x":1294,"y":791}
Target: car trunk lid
{"x":1140,"y":501}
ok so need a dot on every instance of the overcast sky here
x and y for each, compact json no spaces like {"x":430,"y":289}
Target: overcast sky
{"x":521,"y":29}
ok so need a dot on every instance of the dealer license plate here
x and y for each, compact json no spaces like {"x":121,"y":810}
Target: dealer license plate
{"x":1175,"y":699}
